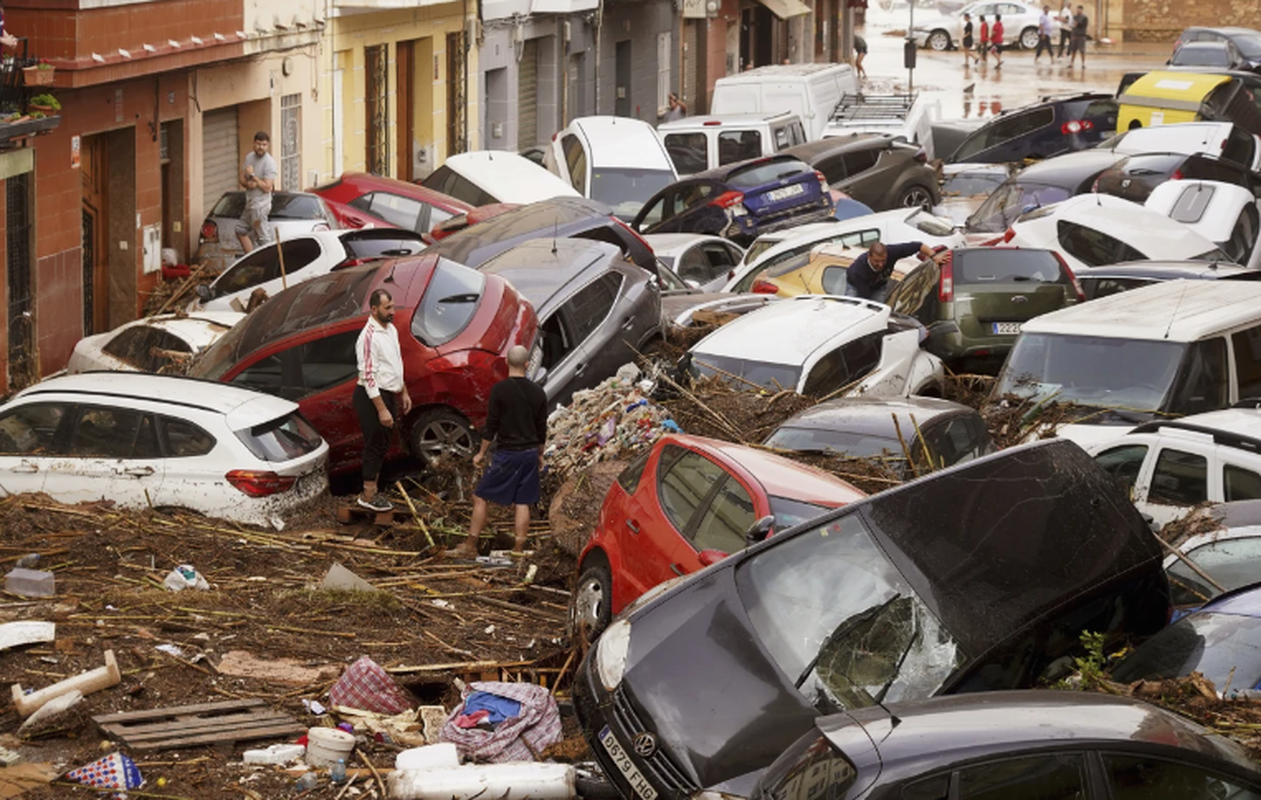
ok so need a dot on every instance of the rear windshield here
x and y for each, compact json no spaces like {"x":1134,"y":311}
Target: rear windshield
{"x":765,"y":172}
{"x":983,"y":266}
{"x":449,"y":302}
{"x":283,"y":206}
{"x":1249,"y":45}
{"x":282,"y":439}
{"x":1211,"y":55}
{"x":852,"y":444}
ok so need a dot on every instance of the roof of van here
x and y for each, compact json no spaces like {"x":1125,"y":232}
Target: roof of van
{"x":1161,"y":84}
{"x":721,"y":120}
{"x":628,"y":142}
{"x":1178,"y":311}
{"x":784,"y":71}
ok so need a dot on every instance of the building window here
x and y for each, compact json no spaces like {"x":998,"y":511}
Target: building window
{"x":291,"y":142}
{"x":663,"y":71}
{"x":376,"y":97}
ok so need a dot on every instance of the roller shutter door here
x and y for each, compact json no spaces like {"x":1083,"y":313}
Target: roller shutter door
{"x":219,"y":165}
{"x":527,"y":95}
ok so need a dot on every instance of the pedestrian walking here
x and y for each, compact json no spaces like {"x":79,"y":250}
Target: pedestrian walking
{"x":984,"y":49}
{"x":996,"y":40}
{"x":516,"y":421}
{"x":1066,"y":26}
{"x":868,"y":275}
{"x":1046,"y":28}
{"x":258,"y":179}
{"x":860,"y":52}
{"x":1078,"y":44}
{"x":380,"y":399}
{"x":967,"y":40}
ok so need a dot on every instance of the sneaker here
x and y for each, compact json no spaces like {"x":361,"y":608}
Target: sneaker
{"x":378,"y":503}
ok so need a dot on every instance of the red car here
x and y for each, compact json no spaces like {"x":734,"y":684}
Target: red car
{"x":358,"y":199}
{"x":684,"y":504}
{"x":461,"y":221}
{"x":455,"y":326}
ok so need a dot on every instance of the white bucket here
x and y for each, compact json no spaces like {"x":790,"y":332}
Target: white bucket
{"x":428,"y":757}
{"x":514,"y":781}
{"x":325,"y":746}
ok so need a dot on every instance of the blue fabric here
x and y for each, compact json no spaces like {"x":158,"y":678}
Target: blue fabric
{"x":511,"y":479}
{"x":848,"y":208}
{"x":498,"y":708}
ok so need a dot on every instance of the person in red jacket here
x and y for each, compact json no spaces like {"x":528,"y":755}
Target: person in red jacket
{"x":985,"y":41}
{"x":996,"y":40}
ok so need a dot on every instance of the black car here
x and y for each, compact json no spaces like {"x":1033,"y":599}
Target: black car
{"x":1246,"y":40}
{"x":1115,"y":278}
{"x":559,"y":217}
{"x":1040,"y":184}
{"x":1216,"y":55}
{"x":1134,"y":177}
{"x":1030,"y":745}
{"x":976,"y":578}
{"x":880,"y":171}
{"x":1041,"y":130}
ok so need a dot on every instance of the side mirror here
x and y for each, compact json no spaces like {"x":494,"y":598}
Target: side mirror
{"x":707,"y":557}
{"x":540,"y":377}
{"x":760,"y":529}
{"x":204,"y":293}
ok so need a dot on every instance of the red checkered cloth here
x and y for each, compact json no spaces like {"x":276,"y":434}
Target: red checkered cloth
{"x":520,"y":738}
{"x":366,"y":685}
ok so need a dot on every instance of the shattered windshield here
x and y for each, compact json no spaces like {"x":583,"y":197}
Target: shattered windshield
{"x":1009,"y":201}
{"x":842,"y":622}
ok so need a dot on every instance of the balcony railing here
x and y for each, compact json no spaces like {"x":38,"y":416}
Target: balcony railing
{"x":21,"y":78}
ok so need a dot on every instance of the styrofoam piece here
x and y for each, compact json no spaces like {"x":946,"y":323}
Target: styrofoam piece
{"x":275,"y":754}
{"x":516,"y":781}
{"x":431,"y":756}
{"x":15,"y":634}
{"x":49,"y":710}
{"x":324,"y":746}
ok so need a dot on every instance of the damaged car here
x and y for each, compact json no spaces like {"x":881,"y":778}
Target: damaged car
{"x":977,"y":578}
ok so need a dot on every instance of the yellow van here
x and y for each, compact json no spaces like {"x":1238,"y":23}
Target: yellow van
{"x":1167,"y":97}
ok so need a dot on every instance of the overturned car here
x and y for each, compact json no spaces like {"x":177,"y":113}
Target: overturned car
{"x":976,"y":578}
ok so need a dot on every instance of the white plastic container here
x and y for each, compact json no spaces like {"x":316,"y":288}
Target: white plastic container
{"x":275,"y":754}
{"x":518,"y":781}
{"x":325,"y":746}
{"x":431,"y":756}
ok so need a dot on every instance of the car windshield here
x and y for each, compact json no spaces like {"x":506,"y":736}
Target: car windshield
{"x":626,"y":189}
{"x":1092,"y":370}
{"x":1201,"y":56}
{"x":745,"y":371}
{"x":847,"y":443}
{"x":1009,"y":201}
{"x":1249,"y":45}
{"x":283,"y":206}
{"x":966,"y":184}
{"x":840,"y":620}
{"x":1225,"y":648}
{"x":450,"y":300}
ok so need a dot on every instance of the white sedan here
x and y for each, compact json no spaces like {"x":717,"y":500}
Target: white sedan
{"x":161,"y":441}
{"x":703,"y":261}
{"x":1020,"y":25}
{"x":151,"y":344}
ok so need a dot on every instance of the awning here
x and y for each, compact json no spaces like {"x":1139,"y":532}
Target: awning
{"x":562,"y":6}
{"x":786,"y":9}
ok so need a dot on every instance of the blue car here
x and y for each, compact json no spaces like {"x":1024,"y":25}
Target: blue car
{"x":740,"y":201}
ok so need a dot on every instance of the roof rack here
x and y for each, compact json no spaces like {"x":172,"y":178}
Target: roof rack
{"x":1238,"y":441}
{"x":863,"y":107}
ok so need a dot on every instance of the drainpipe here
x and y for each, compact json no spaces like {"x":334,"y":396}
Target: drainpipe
{"x":599,"y":29}
{"x":468,"y":48}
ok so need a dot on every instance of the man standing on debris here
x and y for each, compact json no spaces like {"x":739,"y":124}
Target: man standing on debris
{"x":868,"y":276}
{"x":516,"y":420}
{"x":381,"y":398}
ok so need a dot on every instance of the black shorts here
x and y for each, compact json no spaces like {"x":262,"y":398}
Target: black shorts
{"x":967,"y":42}
{"x":511,"y":479}
{"x":860,"y":49}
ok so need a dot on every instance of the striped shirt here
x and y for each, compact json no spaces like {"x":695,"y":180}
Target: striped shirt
{"x":380,"y":360}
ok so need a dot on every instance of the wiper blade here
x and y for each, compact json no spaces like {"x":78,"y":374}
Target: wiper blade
{"x":842,"y":629}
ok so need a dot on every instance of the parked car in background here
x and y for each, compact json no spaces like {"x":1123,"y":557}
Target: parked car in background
{"x":1166,"y":97}
{"x":739,"y":201}
{"x":1012,"y":744}
{"x":1037,"y":185}
{"x":1215,"y":55}
{"x":1224,"y":140}
{"x":1047,"y":128}
{"x":1020,"y":20}
{"x":819,"y":345}
{"x":496,"y":176}
{"x":1114,"y":278}
{"x":1135,"y":177}
{"x":292,"y":213}
{"x":964,"y":187}
{"x":361,"y":200}
{"x":161,"y":441}
{"x":305,"y":257}
{"x":1223,"y":541}
{"x":976,"y":578}
{"x":811,"y":91}
{"x":685,"y":503}
{"x":1223,"y":213}
{"x":704,"y":261}
{"x":1246,"y":40}
{"x":975,"y":301}
{"x":455,"y":327}
{"x":595,"y":309}
{"x":562,"y":217}
{"x":881,"y":172}
{"x":704,"y":142}
{"x":937,"y":433}
{"x":151,"y":344}
{"x":619,"y":161}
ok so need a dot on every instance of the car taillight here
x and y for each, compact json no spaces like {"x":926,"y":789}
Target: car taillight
{"x":823,"y":181}
{"x":1068,"y":272}
{"x":256,"y":483}
{"x":1077,"y":126}
{"x":209,"y":231}
{"x":635,"y":234}
{"x":1177,"y":175}
{"x":728,"y":199}
{"x":946,"y":288}
{"x":353,"y":262}
{"x":763,"y":286}
{"x":1009,"y":235}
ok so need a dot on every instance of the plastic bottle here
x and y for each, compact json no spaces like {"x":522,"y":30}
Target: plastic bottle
{"x":307,"y":781}
{"x":27,"y":561}
{"x":337,"y":772}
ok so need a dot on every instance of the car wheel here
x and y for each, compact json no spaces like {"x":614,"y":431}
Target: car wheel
{"x":591,"y":606}
{"x":439,"y":433}
{"x":939,"y":40}
{"x":1029,"y":39}
{"x":916,"y":196}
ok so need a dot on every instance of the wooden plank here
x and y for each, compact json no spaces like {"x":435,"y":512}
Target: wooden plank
{"x":193,"y":725}
{"x":272,"y":732}
{"x":171,"y":711}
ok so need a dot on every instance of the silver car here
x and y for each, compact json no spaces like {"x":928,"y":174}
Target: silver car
{"x":292,"y":213}
{"x":703,"y":261}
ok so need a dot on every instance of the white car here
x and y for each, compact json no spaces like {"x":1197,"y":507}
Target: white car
{"x":1092,"y":230}
{"x":1223,"y":213}
{"x":619,"y":161}
{"x":1222,"y":139}
{"x":305,"y":257}
{"x":1020,"y":25}
{"x":496,"y":176}
{"x":822,"y":346}
{"x":891,"y":227}
{"x":161,"y":441}
{"x":152,"y":343}
{"x":703,"y":261}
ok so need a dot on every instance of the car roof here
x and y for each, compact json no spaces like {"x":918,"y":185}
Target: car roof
{"x":622,"y":142}
{"x":1169,"y":270}
{"x":875,"y":415}
{"x":369,"y":182}
{"x":837,"y":144}
{"x":1124,"y":220}
{"x":779,"y":71}
{"x":727,"y":170}
{"x":1069,"y":168}
{"x":789,"y":332}
{"x":1179,"y":311}
{"x":779,"y":476}
{"x":1233,"y":427}
{"x":742,"y":120}
{"x":540,"y":269}
{"x":670,"y":244}
{"x":561,"y":215}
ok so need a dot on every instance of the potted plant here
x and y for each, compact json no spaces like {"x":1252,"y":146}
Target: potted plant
{"x":39,"y":75}
{"x":45,"y":103}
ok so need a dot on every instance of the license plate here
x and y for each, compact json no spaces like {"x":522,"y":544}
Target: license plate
{"x":786,"y":192}
{"x":625,"y":766}
{"x":1006,"y":327}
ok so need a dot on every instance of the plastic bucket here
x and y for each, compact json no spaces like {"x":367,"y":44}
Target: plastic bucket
{"x":326,"y":746}
{"x":431,"y":756}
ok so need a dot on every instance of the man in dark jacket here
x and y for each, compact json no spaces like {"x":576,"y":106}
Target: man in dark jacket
{"x":868,"y":276}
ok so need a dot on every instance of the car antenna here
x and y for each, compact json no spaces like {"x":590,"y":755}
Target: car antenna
{"x":555,"y":232}
{"x":1174,"y":314}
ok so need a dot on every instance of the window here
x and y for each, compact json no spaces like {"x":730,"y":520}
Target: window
{"x":291,"y":142}
{"x":844,"y":365}
{"x":1093,"y":247}
{"x":30,"y":429}
{"x":371,"y":244}
{"x":694,"y":266}
{"x":588,"y":308}
{"x":652,"y":213}
{"x":1095,"y":288}
{"x":1240,"y":484}
{"x":575,"y":162}
{"x":1247,"y":347}
{"x":1180,"y":478}
{"x":832,"y":168}
{"x":629,"y":477}
{"x":688,"y":151}
{"x":736,"y":146}
{"x":113,"y":433}
{"x":146,"y":348}
{"x":665,"y":57}
{"x":952,"y":442}
{"x":452,"y":297}
{"x":328,"y":362}
{"x":724,"y":523}
{"x":1202,"y":384}
{"x":858,"y":161}
{"x":1146,"y":778}
{"x":1123,"y":464}
{"x":401,"y":212}
{"x":283,"y":439}
{"x":781,"y":138}
{"x":934,"y":788}
{"x":917,"y":294}
{"x":1060,"y":776}
{"x":835,"y":280}
{"x":684,"y":480}
{"x":686,"y":196}
{"x":184,"y":439}
{"x":263,"y":265}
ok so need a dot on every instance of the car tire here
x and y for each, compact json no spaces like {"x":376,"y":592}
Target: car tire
{"x":1029,"y":39}
{"x":916,"y":195}
{"x":441,"y":432}
{"x":939,"y":40}
{"x":591,"y":606}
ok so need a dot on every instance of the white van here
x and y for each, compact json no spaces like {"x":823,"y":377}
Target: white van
{"x":696,"y":144}
{"x":495,"y":176}
{"x":811,"y":91}
{"x":616,"y":160}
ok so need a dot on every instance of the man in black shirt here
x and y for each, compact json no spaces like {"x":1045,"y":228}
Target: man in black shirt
{"x":517,"y":420}
{"x":868,"y":276}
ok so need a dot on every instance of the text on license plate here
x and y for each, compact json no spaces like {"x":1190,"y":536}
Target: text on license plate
{"x":626,"y":766}
{"x":1006,"y":327}
{"x":786,"y":192}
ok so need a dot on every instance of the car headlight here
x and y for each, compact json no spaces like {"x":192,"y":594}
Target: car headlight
{"x":610,"y":654}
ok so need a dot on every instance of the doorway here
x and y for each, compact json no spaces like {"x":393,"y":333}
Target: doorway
{"x":405,"y":69}
{"x":622,"y":75}
{"x":94,"y":171}
{"x":172,"y":160}
{"x":110,"y":245}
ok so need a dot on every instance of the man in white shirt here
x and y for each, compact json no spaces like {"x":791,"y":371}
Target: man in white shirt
{"x":381,"y":398}
{"x":1066,"y":27}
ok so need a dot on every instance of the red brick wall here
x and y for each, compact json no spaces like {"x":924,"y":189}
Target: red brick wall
{"x":4,"y":296}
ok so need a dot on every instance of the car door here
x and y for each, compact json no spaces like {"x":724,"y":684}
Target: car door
{"x":602,"y":339}
{"x":192,"y":475}
{"x":111,"y":452}
{"x":30,"y":439}
{"x":1125,"y":463}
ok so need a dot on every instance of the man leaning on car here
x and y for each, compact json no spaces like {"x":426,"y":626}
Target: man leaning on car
{"x":868,"y":276}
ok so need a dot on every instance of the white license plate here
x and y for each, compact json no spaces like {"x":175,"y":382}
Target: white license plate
{"x":1006,"y":327}
{"x":786,"y":192}
{"x":625,"y":766}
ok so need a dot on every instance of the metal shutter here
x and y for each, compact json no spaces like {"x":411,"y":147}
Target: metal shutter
{"x":527,"y":95}
{"x":219,"y":160}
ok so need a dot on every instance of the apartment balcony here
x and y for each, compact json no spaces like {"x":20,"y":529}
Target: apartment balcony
{"x":23,"y":77}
